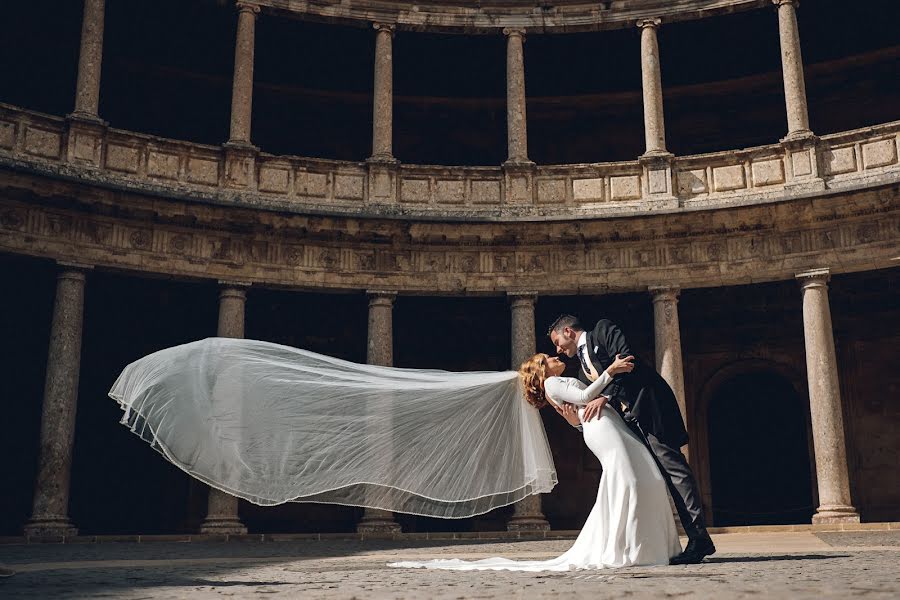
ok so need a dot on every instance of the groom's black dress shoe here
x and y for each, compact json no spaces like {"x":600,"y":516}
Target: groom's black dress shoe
{"x":695,"y":551}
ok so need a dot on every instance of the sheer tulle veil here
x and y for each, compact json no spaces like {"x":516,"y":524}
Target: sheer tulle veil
{"x":273,"y":424}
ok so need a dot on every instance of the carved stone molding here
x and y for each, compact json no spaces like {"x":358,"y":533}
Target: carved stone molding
{"x":112,"y":229}
{"x":491,"y":16}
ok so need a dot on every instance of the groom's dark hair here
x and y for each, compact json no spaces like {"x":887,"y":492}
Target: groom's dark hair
{"x":563,"y":321}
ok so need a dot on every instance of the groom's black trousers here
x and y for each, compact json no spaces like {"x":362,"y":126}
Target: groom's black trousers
{"x":682,"y":486}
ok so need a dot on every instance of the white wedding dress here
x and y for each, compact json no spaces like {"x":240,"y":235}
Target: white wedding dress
{"x":631,"y":522}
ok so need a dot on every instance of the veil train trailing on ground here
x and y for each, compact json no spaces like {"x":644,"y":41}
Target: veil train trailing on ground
{"x":274,"y":424}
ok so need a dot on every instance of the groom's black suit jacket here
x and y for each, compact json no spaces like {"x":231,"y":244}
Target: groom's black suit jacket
{"x":647,"y":397}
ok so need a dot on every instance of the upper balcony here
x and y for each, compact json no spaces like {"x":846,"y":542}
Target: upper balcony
{"x":390,"y":122}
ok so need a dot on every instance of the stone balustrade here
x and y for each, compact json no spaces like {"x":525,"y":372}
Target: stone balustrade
{"x":107,"y":157}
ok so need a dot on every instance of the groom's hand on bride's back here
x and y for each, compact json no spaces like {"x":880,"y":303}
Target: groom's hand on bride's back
{"x":594,"y":408}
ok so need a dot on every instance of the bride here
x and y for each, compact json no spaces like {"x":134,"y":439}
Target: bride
{"x":274,"y":424}
{"x":631,"y":522}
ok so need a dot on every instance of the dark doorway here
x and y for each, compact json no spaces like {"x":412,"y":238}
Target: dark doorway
{"x":759,"y":452}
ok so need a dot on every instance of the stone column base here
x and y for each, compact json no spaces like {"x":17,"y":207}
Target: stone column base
{"x":835,"y":514}
{"x":377,"y":521}
{"x":50,"y":527}
{"x":223,"y":525}
{"x":535,"y":523}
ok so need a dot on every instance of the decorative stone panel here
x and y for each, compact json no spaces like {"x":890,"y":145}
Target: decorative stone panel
{"x":879,"y":154}
{"x":625,"y":187}
{"x":588,"y":190}
{"x":40,"y":142}
{"x":729,"y":178}
{"x":767,"y":172}
{"x":451,"y":191}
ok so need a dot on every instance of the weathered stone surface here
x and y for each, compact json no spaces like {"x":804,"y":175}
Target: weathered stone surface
{"x":41,"y":142}
{"x":767,"y":172}
{"x":587,"y":190}
{"x":51,"y":494}
{"x":740,"y":245}
{"x":491,"y":16}
{"x":262,"y":182}
{"x":729,"y":178}
{"x":833,"y":478}
{"x":747,"y":566}
{"x":416,"y":190}
{"x":625,"y":187}
{"x":879,"y":154}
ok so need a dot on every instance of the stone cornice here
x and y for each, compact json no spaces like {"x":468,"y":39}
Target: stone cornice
{"x":491,"y":16}
{"x":112,"y":159}
{"x":125,"y":231}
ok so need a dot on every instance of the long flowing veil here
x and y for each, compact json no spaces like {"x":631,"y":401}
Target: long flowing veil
{"x":273,"y":424}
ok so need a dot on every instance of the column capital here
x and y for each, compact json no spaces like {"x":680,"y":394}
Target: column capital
{"x":795,"y":3}
{"x":74,"y":266}
{"x":233,"y":292}
{"x":519,"y":298}
{"x":381,"y":297}
{"x":385,"y":27}
{"x":245,"y":6}
{"x":514,"y":31}
{"x":664,"y":292}
{"x":652,"y":23}
{"x":234,"y":283}
{"x":814,"y":278}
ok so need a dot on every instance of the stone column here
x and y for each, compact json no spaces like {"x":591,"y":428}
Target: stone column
{"x":516,"y":123}
{"x":383,"y":106}
{"x":654,"y":122}
{"x":222,"y":511}
{"x":380,"y":351}
{"x":87,"y":91}
{"x":825,"y":402}
{"x":242,"y":85}
{"x":50,"y":509}
{"x":527,"y":512}
{"x":792,"y":70}
{"x":668,"y":342}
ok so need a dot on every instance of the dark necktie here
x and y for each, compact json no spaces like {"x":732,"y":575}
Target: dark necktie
{"x":584,"y":365}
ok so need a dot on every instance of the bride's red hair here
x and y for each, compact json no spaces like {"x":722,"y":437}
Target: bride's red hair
{"x":533,"y":373}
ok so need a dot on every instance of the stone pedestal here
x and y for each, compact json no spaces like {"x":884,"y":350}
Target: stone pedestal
{"x":825,"y":407}
{"x":668,"y":343}
{"x":84,"y":141}
{"x":380,"y":351}
{"x":242,"y":84}
{"x":50,"y":508}
{"x":516,"y":122}
{"x":528,"y":514}
{"x":792,"y":70}
{"x":222,"y":509}
{"x":240,"y":166}
{"x":90,"y":57}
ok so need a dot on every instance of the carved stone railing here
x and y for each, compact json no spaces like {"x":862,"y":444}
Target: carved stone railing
{"x":492,"y":16}
{"x":112,"y":158}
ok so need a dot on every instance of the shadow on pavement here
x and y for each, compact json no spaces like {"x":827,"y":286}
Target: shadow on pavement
{"x":771,"y":557}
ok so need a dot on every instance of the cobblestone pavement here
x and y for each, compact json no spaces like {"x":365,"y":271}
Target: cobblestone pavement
{"x":765,"y":565}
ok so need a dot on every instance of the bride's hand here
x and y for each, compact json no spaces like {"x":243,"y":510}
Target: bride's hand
{"x":621,"y":365}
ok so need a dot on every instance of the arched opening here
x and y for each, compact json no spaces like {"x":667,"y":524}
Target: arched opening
{"x":759,"y":451}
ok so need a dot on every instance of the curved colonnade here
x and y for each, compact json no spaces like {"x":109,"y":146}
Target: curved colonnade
{"x":92,"y":197}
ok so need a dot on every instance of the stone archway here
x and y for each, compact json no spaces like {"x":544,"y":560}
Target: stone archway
{"x":758,"y":462}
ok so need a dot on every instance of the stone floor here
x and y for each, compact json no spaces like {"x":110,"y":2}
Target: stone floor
{"x":750,"y":565}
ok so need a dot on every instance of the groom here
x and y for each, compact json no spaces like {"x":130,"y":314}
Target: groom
{"x":647,"y":403}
